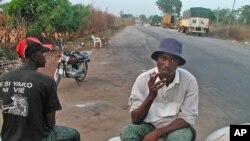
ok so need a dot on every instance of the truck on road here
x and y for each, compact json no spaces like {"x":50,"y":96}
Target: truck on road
{"x":195,"y":20}
{"x":168,"y":21}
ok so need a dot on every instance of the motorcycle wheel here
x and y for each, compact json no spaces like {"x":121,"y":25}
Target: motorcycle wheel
{"x":57,"y":76}
{"x":84,"y":73}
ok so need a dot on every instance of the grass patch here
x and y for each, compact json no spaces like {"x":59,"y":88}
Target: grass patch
{"x":240,"y":33}
{"x":7,"y":52}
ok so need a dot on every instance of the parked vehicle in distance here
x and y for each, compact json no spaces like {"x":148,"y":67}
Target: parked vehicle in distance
{"x":168,"y":21}
{"x":195,"y":20}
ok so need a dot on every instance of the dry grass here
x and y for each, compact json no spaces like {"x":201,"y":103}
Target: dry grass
{"x":2,"y":18}
{"x":236,"y":32}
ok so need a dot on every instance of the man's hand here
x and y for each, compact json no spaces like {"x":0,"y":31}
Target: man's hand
{"x":139,"y":114}
{"x":152,"y":136}
{"x":154,"y":87}
{"x":51,"y":119}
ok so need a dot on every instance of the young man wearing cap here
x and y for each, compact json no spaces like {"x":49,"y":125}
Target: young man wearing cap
{"x":164,"y":100}
{"x":29,"y":99}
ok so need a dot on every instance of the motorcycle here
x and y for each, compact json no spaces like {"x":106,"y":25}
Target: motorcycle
{"x":72,"y":64}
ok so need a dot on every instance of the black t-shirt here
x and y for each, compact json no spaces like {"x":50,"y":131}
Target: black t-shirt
{"x":25,"y":97}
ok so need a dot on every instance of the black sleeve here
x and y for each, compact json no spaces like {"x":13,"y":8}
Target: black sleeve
{"x":52,"y":102}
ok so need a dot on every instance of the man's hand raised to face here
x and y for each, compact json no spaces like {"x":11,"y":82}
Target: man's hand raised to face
{"x":155,"y":86}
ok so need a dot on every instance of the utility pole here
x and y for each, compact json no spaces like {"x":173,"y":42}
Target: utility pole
{"x":230,"y":20}
{"x":218,"y":14}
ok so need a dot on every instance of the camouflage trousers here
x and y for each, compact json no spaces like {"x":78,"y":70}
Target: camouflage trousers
{"x":134,"y":132}
{"x":61,"y":133}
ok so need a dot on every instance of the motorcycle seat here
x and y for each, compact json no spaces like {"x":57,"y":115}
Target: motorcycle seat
{"x":81,"y":55}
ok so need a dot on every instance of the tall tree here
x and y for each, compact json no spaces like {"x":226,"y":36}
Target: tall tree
{"x":244,"y":14}
{"x":121,"y":13}
{"x":170,"y":6}
{"x":80,"y":21}
{"x":223,"y":15}
{"x":143,"y":18}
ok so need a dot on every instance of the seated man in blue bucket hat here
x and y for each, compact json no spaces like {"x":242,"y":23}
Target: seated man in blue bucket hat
{"x":163,"y":100}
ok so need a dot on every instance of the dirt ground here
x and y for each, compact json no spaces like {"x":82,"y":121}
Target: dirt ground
{"x":98,"y":107}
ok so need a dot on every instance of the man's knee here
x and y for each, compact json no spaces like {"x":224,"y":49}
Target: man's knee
{"x":65,"y":133}
{"x":184,"y":134}
{"x":134,"y":132}
{"x":73,"y":134}
{"x":76,"y":135}
{"x":128,"y":132}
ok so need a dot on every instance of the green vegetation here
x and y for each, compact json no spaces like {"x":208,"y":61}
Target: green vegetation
{"x":47,"y":15}
{"x":8,"y":53}
{"x":170,"y":6}
{"x":239,"y":16}
{"x":50,"y":20}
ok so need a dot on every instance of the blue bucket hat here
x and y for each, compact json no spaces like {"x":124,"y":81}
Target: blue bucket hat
{"x":172,"y":47}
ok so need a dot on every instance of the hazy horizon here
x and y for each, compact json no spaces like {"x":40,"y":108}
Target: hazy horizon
{"x":149,"y":7}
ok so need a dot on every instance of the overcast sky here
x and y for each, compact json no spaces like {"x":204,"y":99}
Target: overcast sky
{"x":149,"y":7}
